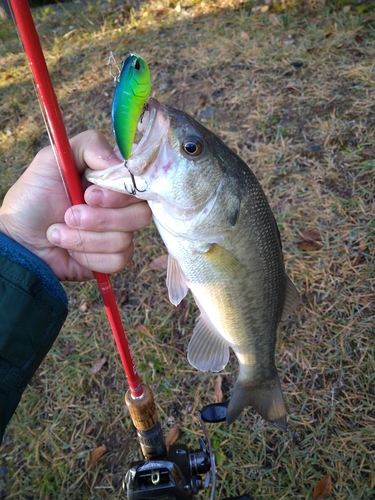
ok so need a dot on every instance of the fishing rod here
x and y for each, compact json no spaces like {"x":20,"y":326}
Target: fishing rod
{"x":164,"y":474}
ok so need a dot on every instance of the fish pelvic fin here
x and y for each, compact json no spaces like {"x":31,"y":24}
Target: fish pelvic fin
{"x":291,"y":299}
{"x":207,"y":351}
{"x":267,"y":400}
{"x":176,"y":282}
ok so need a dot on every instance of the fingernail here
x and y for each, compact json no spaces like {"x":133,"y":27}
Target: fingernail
{"x":96,"y":197}
{"x":56,"y":237}
{"x":76,"y":217}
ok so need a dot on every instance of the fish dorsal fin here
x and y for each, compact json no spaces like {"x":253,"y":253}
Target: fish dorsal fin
{"x":291,"y":299}
{"x":207,"y":351}
{"x":176,"y":282}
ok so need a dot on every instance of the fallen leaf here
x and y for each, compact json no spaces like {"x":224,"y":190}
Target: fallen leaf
{"x":311,"y":235}
{"x":369,"y":153}
{"x":98,"y":365}
{"x":172,"y":436}
{"x":160,"y":263}
{"x":89,"y":429}
{"x":323,"y":488}
{"x":83,"y":307}
{"x":309,"y":246}
{"x":217,"y":389}
{"x":96,"y":454}
{"x":244,"y":36}
{"x":362,"y":246}
{"x":142,"y":329}
{"x":357,"y":260}
{"x":68,"y":349}
{"x":274,"y":20}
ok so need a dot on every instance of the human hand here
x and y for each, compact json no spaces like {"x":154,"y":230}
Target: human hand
{"x":37,"y":214}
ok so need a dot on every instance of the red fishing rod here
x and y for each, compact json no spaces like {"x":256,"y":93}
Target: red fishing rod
{"x":139,"y":398}
{"x":64,"y":156}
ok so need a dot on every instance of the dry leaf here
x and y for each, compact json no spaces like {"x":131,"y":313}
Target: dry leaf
{"x":311,"y":235}
{"x":244,"y":36}
{"x":83,"y":307}
{"x":362,"y":246}
{"x":142,"y":329}
{"x":217,"y":389}
{"x":98,"y":365}
{"x":309,"y":246}
{"x":96,"y":454}
{"x":274,"y":20}
{"x":323,"y":488}
{"x":89,"y":429}
{"x":68,"y":349}
{"x":311,"y":241}
{"x":172,"y":436}
{"x":357,"y":260}
{"x":160,"y":263}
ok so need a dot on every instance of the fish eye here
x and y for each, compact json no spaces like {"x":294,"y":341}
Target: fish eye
{"x":192,"y":146}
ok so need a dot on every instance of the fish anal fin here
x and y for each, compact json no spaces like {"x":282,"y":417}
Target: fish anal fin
{"x":291,"y":299}
{"x":267,"y":400}
{"x":176,"y":282}
{"x":207,"y":351}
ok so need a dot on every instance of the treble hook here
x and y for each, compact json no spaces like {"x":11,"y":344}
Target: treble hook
{"x":134,"y":189}
{"x":109,"y":59}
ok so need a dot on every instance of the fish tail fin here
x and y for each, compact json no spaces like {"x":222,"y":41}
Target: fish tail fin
{"x":268,"y":401}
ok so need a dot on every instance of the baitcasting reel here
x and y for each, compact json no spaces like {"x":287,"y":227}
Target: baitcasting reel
{"x":177,"y":475}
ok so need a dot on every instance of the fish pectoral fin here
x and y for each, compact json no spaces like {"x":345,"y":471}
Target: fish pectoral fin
{"x":291,"y":299}
{"x":176,"y":281}
{"x":267,"y":400}
{"x":207,"y":351}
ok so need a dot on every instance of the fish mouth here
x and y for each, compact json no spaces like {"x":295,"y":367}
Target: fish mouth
{"x":154,"y":124}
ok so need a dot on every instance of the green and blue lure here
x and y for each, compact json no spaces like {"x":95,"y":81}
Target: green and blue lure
{"x":132,"y":90}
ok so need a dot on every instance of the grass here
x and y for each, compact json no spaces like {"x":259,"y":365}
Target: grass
{"x":307,"y":131}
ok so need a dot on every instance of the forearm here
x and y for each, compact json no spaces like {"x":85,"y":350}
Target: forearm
{"x":33,"y":307}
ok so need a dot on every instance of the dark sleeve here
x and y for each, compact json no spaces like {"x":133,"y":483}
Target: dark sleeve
{"x":33,"y":308}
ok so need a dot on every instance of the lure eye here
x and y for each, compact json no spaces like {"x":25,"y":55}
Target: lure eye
{"x":137,"y":66}
{"x":192,"y":146}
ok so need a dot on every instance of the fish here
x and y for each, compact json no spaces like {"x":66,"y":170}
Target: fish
{"x":223,"y":244}
{"x":132,"y":91}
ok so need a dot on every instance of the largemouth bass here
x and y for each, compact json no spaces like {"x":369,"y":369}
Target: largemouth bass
{"x":223,"y":244}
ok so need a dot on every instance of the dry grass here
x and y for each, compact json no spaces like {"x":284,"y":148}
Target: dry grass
{"x":308,"y":132}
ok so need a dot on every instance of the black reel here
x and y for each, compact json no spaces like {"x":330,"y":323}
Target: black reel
{"x":178,"y":475}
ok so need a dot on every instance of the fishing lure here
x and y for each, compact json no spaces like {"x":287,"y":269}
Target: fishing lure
{"x":132,"y":90}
